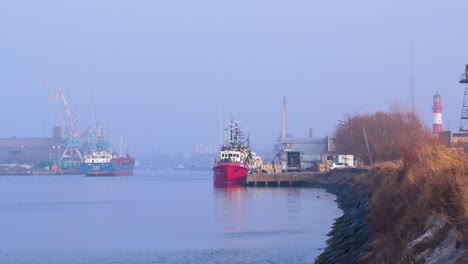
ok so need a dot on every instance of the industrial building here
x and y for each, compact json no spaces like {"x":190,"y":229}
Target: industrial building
{"x":39,"y":154}
{"x":309,"y":149}
{"x":31,"y":150}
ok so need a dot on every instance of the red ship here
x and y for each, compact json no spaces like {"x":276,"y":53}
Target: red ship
{"x":233,"y":163}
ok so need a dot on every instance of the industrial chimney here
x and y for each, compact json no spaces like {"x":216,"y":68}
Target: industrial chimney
{"x":437,"y":112}
{"x":283,"y":127}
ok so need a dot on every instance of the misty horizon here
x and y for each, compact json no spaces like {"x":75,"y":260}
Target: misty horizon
{"x":160,"y":73}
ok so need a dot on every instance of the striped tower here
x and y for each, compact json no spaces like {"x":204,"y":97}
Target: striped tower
{"x":437,"y":112}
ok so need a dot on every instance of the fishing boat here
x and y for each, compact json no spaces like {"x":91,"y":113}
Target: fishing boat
{"x":233,"y":164}
{"x":107,"y":163}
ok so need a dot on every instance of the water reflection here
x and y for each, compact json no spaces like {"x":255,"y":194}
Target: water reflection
{"x":252,"y":217}
{"x":177,"y":217}
{"x":230,"y":208}
{"x":267,"y":217}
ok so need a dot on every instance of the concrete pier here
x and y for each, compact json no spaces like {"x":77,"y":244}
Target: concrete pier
{"x":288,"y":179}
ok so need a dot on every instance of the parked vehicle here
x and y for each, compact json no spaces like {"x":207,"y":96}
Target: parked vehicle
{"x":338,"y":165}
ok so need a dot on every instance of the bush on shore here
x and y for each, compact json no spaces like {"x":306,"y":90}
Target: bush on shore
{"x":417,"y":188}
{"x":431,"y":182}
{"x":379,"y":137}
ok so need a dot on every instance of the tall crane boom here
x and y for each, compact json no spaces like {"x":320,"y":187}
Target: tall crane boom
{"x":72,"y":148}
{"x":73,"y":128}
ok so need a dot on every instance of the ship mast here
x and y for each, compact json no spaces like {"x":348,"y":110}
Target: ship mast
{"x":121,"y":145}
{"x":231,"y":129}
{"x":235,"y":137}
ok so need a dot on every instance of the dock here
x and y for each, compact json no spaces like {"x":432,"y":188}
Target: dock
{"x":284,"y":179}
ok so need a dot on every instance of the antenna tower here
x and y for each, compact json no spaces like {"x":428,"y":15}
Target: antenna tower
{"x":464,"y":114}
{"x":411,"y":79}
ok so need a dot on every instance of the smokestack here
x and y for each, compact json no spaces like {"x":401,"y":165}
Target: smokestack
{"x":283,"y":128}
{"x":311,"y":132}
{"x":437,"y":112}
{"x":57,"y":132}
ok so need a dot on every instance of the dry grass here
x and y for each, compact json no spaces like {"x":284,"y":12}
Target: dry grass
{"x":432,"y":179}
{"x":441,"y":177}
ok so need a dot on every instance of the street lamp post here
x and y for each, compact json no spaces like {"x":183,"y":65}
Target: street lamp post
{"x":367,"y":144}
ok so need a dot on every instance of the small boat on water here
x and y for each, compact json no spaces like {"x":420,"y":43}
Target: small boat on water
{"x":179,"y":167}
{"x":106,"y":163}
{"x":234,"y":161}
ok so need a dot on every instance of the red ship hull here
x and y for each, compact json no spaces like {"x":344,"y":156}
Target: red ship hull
{"x":229,"y":173}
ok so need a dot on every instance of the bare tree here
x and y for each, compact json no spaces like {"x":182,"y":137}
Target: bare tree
{"x":380,"y":136}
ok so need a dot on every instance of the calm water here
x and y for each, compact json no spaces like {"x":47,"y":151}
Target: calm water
{"x":159,"y":217}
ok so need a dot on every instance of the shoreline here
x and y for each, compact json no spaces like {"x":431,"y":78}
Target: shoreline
{"x":349,"y":238}
{"x":356,"y":237}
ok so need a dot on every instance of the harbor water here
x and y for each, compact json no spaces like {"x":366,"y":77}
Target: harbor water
{"x":159,"y":217}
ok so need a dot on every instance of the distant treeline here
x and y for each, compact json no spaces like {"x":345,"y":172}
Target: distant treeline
{"x":381,"y":136}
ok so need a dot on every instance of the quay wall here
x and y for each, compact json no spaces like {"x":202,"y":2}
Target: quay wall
{"x":281,"y":179}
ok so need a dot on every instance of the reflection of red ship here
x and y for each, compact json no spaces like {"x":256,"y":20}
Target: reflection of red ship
{"x":231,"y":214}
{"x":232,"y":165}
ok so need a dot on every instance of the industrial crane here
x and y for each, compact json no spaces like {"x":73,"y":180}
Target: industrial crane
{"x":74,"y":132}
{"x":73,"y":144}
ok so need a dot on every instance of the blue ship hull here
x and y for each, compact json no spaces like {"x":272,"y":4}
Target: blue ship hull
{"x":107,"y":169}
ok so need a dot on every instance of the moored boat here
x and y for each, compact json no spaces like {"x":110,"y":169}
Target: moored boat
{"x":233,"y":163}
{"x":179,"y":167}
{"x":106,"y":163}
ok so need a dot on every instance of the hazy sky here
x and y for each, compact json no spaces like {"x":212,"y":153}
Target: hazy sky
{"x":161,"y":71}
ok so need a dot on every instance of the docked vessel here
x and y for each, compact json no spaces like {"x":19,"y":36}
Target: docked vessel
{"x":106,"y":163}
{"x":233,"y":163}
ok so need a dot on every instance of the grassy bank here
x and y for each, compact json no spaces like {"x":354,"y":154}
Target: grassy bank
{"x":414,"y":210}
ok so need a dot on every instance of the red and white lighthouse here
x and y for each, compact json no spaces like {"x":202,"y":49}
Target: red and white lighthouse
{"x":437,"y":112}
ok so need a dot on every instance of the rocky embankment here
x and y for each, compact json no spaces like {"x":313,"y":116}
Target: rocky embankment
{"x":351,"y":233}
{"x":413,"y":211}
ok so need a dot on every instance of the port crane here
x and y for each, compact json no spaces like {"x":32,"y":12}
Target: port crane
{"x":74,"y":143}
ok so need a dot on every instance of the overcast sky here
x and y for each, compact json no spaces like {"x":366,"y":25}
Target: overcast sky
{"x":160,"y":72}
